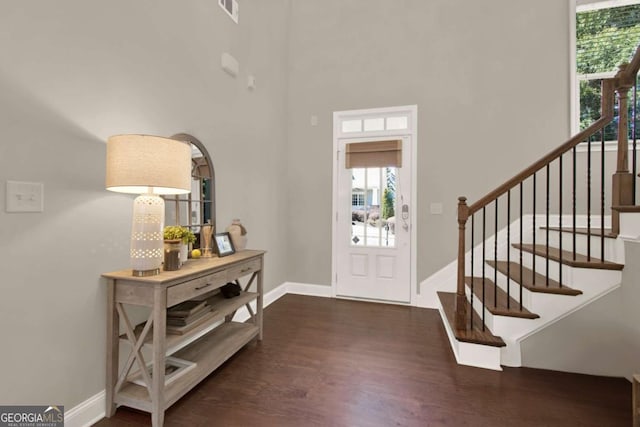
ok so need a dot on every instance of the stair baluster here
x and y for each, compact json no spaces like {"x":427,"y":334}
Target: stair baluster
{"x":534,"y":220}
{"x":602,"y":197}
{"x":560,"y":184}
{"x":508,"y":252}
{"x":589,"y":199}
{"x":521,"y":212}
{"x":634,"y":111}
{"x":472,"y":269}
{"x":484,"y":262}
{"x":495,"y":257}
{"x":547,"y":228}
{"x":573,"y":199}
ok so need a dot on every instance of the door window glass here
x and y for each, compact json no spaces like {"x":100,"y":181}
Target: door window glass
{"x":373,"y":206}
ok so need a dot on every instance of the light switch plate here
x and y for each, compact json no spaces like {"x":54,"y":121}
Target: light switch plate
{"x":24,"y":197}
{"x":230,"y":64}
{"x":436,"y":208}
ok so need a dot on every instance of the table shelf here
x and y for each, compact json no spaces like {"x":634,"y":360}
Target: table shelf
{"x":208,"y":353}
{"x":221,"y":307}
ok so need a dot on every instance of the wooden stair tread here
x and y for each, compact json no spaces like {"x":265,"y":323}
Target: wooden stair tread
{"x":501,"y":308}
{"x":475,"y":335}
{"x":583,"y":230}
{"x":581,"y":261}
{"x":627,"y":208}
{"x":537,"y":284}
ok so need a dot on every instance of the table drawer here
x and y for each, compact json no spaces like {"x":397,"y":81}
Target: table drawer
{"x":244,"y":268}
{"x":195,"y":287}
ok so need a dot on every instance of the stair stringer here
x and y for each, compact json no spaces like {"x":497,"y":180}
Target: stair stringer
{"x":552,"y":308}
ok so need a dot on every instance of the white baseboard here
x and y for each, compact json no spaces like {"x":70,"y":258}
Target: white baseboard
{"x":92,"y":410}
{"x":86,"y":413}
{"x":308,"y":289}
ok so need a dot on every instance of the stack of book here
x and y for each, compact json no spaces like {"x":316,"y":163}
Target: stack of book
{"x":185,"y":316}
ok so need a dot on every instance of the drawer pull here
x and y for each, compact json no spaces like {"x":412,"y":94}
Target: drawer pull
{"x":244,"y":270}
{"x":202,"y":287}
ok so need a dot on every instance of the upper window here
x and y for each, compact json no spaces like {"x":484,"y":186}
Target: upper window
{"x":231,"y":7}
{"x":396,"y":122}
{"x":607,"y":34}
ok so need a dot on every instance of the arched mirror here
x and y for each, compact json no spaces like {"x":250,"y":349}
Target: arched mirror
{"x":198,"y":207}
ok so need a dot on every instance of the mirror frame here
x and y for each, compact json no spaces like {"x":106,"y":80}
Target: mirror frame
{"x":200,"y":146}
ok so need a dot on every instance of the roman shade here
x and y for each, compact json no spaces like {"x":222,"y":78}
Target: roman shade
{"x":378,"y":154}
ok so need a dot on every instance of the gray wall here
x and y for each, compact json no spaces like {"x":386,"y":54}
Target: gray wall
{"x":74,"y":72}
{"x":491,"y":81}
{"x":599,"y":339}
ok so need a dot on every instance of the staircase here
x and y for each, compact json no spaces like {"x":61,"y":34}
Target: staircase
{"x":515,"y":297}
{"x":545,"y":243}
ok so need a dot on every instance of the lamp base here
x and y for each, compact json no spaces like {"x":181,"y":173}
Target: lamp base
{"x":146,"y":273}
{"x":146,"y":235}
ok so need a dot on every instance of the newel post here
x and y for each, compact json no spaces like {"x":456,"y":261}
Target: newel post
{"x":622,"y":182}
{"x":461,"y":298}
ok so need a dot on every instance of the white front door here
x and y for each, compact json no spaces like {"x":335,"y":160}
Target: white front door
{"x":372,"y":236}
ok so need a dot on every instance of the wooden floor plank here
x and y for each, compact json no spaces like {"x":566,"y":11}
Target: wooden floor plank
{"x":534,"y":283}
{"x":328,"y":362}
{"x":581,"y":261}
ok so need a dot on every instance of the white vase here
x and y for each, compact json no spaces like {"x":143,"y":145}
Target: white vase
{"x":238,"y":235}
{"x":184,"y":252}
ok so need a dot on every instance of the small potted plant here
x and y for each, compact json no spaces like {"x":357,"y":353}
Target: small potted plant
{"x":184,"y":234}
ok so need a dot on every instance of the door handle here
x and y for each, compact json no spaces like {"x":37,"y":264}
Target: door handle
{"x":404,"y":215}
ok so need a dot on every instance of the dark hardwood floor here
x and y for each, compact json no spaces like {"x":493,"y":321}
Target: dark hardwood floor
{"x":327,"y":362}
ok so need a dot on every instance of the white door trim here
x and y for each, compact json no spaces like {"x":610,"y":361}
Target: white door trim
{"x":412,"y":131}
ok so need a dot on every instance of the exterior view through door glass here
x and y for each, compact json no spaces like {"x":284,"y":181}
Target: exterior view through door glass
{"x":373,"y":200}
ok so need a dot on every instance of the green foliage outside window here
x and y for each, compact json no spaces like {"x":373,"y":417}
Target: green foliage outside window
{"x":605,"y":39}
{"x":389,"y":194}
{"x":387,"y":204}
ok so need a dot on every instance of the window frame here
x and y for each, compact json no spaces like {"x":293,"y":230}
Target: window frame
{"x":576,"y":6}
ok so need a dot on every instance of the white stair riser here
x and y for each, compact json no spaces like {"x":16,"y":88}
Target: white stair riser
{"x":510,"y":355}
{"x":500,"y":325}
{"x":481,"y":356}
{"x":629,"y":226}
{"x":613,"y":248}
{"x":477,"y":307}
{"x":572,"y":277}
{"x":530,"y":300}
{"x":514,"y":286}
{"x":588,"y":280}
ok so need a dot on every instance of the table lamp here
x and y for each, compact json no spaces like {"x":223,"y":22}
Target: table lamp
{"x":149,"y":166}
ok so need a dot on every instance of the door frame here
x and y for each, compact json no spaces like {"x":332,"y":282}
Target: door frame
{"x":411,"y":111}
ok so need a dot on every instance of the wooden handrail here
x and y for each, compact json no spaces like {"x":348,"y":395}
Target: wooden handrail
{"x":631,"y":70}
{"x":607,"y":114}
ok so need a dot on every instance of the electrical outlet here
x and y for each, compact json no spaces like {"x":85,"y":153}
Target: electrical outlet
{"x":24,"y":197}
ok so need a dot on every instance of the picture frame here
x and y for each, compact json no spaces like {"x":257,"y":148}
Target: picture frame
{"x":223,"y":244}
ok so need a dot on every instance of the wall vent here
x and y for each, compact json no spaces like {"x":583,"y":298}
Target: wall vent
{"x":231,"y":7}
